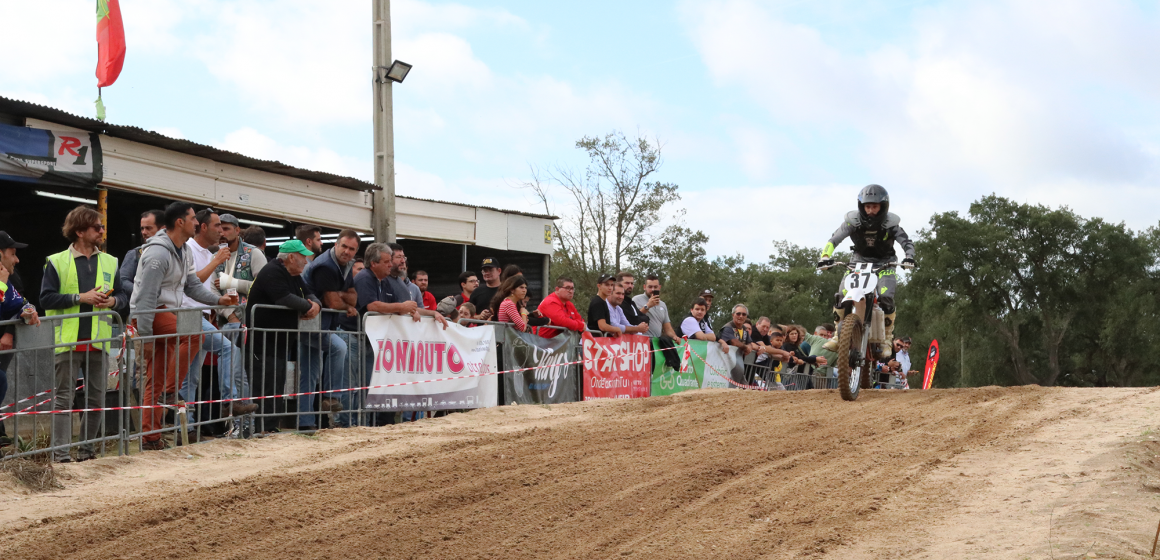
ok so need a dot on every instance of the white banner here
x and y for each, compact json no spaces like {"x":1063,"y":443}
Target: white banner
{"x":718,"y":363}
{"x":408,"y":351}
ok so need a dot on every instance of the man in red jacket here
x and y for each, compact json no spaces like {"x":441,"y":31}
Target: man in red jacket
{"x":559,"y":309}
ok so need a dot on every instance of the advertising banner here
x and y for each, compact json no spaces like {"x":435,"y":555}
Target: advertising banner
{"x":709,"y":363}
{"x":550,"y":382}
{"x":50,"y":157}
{"x":666,"y":380}
{"x":407,"y":351}
{"x":931,"y":365}
{"x":616,"y":367}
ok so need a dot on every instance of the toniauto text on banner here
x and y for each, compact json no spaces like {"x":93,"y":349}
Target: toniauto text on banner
{"x":616,"y":367}
{"x":710,"y":364}
{"x":666,"y":380}
{"x":549,"y":382}
{"x":408,"y":351}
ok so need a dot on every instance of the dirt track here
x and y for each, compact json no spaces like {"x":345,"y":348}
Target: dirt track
{"x":984,"y":473}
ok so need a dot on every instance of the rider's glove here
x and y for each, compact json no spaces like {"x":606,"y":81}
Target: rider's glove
{"x":908,"y":263}
{"x":825,"y":262}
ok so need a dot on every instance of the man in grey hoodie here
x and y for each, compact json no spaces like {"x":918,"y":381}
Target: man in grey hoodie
{"x":164,"y":274}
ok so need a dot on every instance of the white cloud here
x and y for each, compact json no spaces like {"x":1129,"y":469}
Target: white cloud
{"x":986,"y":96}
{"x":249,"y":142}
{"x":45,"y":39}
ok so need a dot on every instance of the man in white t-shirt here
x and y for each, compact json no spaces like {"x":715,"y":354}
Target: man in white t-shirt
{"x":696,"y":326}
{"x":232,"y":382}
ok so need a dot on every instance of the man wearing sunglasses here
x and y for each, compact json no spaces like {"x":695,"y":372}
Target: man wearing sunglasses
{"x":80,"y":279}
{"x":734,"y":333}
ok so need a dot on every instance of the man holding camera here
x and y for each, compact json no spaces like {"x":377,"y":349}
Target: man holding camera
{"x":649,"y":304}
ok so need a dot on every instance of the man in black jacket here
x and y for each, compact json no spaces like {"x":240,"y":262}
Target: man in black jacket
{"x":278,"y":283}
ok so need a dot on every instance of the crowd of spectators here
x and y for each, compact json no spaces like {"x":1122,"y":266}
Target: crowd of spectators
{"x":204,"y":258}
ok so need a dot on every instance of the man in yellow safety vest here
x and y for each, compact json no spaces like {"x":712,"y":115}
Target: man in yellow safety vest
{"x":79,"y":280}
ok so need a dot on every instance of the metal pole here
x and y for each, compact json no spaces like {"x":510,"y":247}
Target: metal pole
{"x":383,"y":218}
{"x":547,"y":279}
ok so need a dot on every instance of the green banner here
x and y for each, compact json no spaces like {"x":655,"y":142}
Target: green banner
{"x":667,"y":381}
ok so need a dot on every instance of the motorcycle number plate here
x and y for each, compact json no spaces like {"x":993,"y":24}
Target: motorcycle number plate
{"x":860,"y":281}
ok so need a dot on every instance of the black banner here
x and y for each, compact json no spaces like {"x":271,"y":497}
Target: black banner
{"x":549,"y":382}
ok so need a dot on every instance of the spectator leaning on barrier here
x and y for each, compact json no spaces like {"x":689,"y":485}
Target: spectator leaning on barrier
{"x":232,"y":381}
{"x":649,"y":303}
{"x":164,"y":276}
{"x":376,"y":294}
{"x":466,"y":311}
{"x":422,"y":281}
{"x":695,"y":326}
{"x":734,"y":333}
{"x":631,"y":312}
{"x":256,"y":236}
{"x":238,"y":271}
{"x":80,"y":279}
{"x":333,"y":282}
{"x":598,"y":309}
{"x":151,"y":222}
{"x":615,"y":309}
{"x":481,"y":297}
{"x":508,"y":305}
{"x":795,"y":337}
{"x":763,"y":336}
{"x":559,"y":309}
{"x":397,"y":277}
{"x":817,"y":342}
{"x":12,"y":305}
{"x":279,"y":283}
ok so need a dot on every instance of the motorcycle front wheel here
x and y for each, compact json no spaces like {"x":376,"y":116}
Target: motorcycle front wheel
{"x":849,"y":339}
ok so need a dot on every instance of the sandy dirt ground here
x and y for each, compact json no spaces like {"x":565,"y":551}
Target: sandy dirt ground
{"x":974,"y":473}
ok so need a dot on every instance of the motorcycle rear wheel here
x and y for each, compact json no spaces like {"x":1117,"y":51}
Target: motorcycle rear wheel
{"x":849,"y":339}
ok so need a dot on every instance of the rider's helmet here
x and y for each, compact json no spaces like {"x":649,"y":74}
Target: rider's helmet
{"x":874,"y":194}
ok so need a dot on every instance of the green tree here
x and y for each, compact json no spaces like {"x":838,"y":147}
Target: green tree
{"x":1027,"y":272}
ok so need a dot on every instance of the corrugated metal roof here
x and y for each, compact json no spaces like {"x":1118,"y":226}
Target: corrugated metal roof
{"x":135,"y":134}
{"x":132,"y":133}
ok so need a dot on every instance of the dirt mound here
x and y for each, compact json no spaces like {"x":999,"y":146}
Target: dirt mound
{"x":707,"y":474}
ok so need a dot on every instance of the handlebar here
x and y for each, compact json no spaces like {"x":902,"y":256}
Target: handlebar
{"x":850,"y":266}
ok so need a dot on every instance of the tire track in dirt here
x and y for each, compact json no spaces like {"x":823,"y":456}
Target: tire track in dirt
{"x":716,"y":474}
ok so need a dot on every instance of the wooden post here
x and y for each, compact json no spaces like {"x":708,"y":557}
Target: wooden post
{"x":184,"y":418}
{"x":1154,"y":540}
{"x":103,"y":209}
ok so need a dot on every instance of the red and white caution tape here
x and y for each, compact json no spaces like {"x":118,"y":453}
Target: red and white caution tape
{"x":689,"y":348}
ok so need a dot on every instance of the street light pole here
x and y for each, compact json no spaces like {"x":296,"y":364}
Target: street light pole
{"x":383,"y":217}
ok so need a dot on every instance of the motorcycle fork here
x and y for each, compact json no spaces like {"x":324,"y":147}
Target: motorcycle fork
{"x":865,"y":309}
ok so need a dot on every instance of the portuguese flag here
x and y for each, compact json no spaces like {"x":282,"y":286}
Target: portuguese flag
{"x":110,"y":47}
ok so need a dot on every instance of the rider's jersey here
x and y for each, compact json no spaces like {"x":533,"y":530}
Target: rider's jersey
{"x":872,"y":242}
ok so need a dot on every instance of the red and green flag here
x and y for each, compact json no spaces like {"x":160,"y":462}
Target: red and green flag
{"x":110,"y":47}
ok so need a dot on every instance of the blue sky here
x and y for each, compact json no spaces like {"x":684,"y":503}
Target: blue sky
{"x":772,"y":113}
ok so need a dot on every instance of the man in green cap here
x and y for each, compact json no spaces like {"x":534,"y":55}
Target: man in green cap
{"x":279,"y":283}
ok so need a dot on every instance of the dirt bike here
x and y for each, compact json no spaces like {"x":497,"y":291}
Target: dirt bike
{"x":861,"y":328}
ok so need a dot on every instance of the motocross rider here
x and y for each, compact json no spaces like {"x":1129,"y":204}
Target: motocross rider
{"x":873,"y":230}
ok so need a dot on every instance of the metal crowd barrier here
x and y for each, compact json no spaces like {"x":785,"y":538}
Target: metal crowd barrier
{"x":41,"y":380}
{"x":302,"y":379}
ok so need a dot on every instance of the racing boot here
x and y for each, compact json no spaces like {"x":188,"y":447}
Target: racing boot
{"x":885,"y":349}
{"x":832,"y":344}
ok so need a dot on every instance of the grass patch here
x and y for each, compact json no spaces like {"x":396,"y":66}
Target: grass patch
{"x":37,"y":476}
